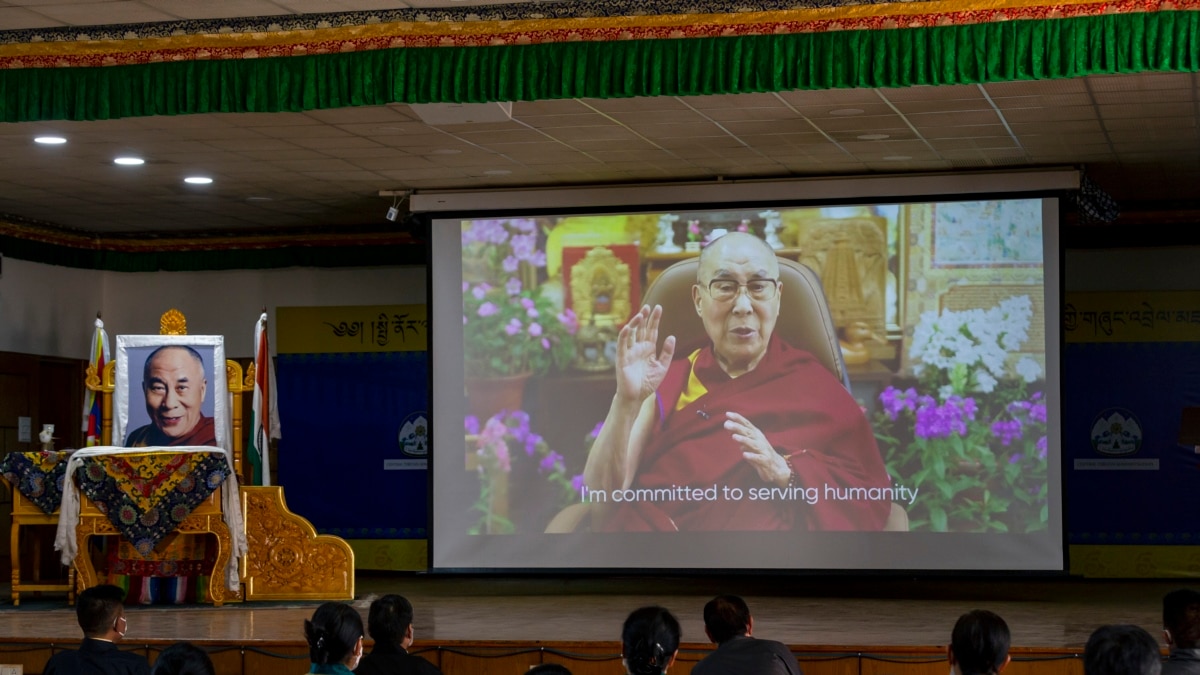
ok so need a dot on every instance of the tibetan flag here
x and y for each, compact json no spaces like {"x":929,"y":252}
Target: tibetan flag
{"x":91,"y":401}
{"x":264,"y":415}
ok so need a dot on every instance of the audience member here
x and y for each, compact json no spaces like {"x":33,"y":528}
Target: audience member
{"x":390,"y":624}
{"x":649,"y":641}
{"x":1181,"y":628}
{"x":728,"y":623}
{"x":979,"y":644}
{"x":335,"y":639}
{"x":1121,"y":650}
{"x":101,"y":615}
{"x":183,"y":658}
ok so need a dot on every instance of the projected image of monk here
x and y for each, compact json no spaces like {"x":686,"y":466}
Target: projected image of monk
{"x":746,"y":433}
{"x":174,"y":385}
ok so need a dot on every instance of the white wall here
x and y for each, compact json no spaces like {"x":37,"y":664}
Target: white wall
{"x":49,"y":310}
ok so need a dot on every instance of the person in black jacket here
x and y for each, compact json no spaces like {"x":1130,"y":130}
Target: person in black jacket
{"x":101,"y":615}
{"x":727,"y":622}
{"x":389,"y":622}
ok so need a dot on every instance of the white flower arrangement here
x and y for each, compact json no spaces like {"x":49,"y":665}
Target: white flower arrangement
{"x":972,"y":346}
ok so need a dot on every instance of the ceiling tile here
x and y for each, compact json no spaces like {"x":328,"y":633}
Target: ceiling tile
{"x":17,"y":18}
{"x":217,"y":9}
{"x":89,"y":14}
{"x":933,"y":93}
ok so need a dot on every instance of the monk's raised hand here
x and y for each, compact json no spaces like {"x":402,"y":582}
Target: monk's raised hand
{"x":771,"y":466}
{"x":640,"y":366}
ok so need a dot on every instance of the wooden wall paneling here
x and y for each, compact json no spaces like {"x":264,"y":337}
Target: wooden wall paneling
{"x":31,"y":657}
{"x":876,"y":663}
{"x":587,"y":659}
{"x":828,"y":663}
{"x":18,"y":398}
{"x":270,"y":659}
{"x":60,"y":400}
{"x":426,"y":650}
{"x":230,"y":661}
{"x":513,"y":660}
{"x":1044,"y":662}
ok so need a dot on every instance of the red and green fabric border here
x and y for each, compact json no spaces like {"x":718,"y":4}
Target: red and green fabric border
{"x":868,"y":46}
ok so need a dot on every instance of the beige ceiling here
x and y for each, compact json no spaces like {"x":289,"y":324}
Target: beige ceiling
{"x":1136,"y":134}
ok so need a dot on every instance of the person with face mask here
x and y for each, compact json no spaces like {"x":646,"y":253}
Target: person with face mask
{"x":101,"y":614}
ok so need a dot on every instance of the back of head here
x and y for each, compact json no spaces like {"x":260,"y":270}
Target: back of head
{"x":649,"y":640}
{"x":725,"y":617}
{"x":332,"y":633}
{"x":183,"y":658}
{"x":389,"y":618}
{"x":1181,"y":617}
{"x":980,"y":642}
{"x":1121,"y":650}
{"x":97,"y":609}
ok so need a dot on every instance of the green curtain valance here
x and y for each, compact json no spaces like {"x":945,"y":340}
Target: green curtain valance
{"x":899,"y":57}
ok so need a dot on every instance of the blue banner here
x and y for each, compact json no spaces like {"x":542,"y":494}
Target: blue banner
{"x":354,"y":451}
{"x":1128,"y":479}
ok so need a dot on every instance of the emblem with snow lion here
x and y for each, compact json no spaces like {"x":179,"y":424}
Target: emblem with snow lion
{"x":1116,"y":432}
{"x":414,"y":435}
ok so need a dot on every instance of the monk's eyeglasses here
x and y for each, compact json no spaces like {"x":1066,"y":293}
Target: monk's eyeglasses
{"x":725,"y":290}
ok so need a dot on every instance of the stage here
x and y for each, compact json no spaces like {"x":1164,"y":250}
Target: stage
{"x":492,"y":624}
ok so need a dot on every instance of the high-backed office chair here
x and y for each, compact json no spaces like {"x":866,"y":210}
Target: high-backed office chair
{"x":804,"y":322}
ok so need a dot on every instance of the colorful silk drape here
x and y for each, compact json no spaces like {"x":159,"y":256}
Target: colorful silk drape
{"x":38,"y":476}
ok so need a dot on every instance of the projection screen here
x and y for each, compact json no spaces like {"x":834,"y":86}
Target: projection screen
{"x":913,"y":426}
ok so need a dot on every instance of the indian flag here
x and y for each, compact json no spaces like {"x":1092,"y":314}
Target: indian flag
{"x":91,"y":401}
{"x":264,"y":415}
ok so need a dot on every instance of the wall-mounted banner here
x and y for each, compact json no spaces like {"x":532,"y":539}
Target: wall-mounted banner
{"x":1132,"y":364}
{"x":342,"y":330}
{"x":1132,"y":316}
{"x":353,"y":392}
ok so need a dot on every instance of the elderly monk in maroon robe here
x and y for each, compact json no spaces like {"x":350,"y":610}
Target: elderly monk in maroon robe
{"x":174,"y":384}
{"x":746,"y":412}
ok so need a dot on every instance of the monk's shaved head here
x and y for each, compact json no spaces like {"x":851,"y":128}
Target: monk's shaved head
{"x":712,"y":254}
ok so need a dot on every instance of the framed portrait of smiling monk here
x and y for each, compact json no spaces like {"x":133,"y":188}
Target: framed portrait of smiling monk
{"x":170,"y":390}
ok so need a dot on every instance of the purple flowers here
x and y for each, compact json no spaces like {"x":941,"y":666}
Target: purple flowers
{"x":1006,"y":431}
{"x":942,"y":421}
{"x":577,"y":483}
{"x":895,"y":401}
{"x":487,"y":309}
{"x":550,"y":462}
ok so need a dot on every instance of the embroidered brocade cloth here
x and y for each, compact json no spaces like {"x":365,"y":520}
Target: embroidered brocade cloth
{"x":38,"y":476}
{"x":147,"y":496}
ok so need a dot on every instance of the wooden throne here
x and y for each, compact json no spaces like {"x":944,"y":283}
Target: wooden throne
{"x":286,"y":558}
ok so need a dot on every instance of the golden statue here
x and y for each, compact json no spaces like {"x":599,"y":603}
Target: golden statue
{"x":600,"y":288}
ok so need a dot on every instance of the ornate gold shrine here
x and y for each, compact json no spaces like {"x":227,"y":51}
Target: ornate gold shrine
{"x":286,"y":559}
{"x":600,"y":288}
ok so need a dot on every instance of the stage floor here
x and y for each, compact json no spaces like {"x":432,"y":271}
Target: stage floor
{"x":800,"y":611}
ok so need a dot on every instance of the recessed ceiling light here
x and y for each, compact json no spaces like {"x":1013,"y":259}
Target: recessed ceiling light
{"x":198,"y":180}
{"x":129,"y":161}
{"x":446,"y":151}
{"x":873,"y":137}
{"x":496,"y":172}
{"x":50,"y":140}
{"x":896,"y":158}
{"x":845,"y":112}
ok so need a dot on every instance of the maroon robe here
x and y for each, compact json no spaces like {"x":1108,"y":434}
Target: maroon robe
{"x":804,"y":412}
{"x":204,"y":433}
